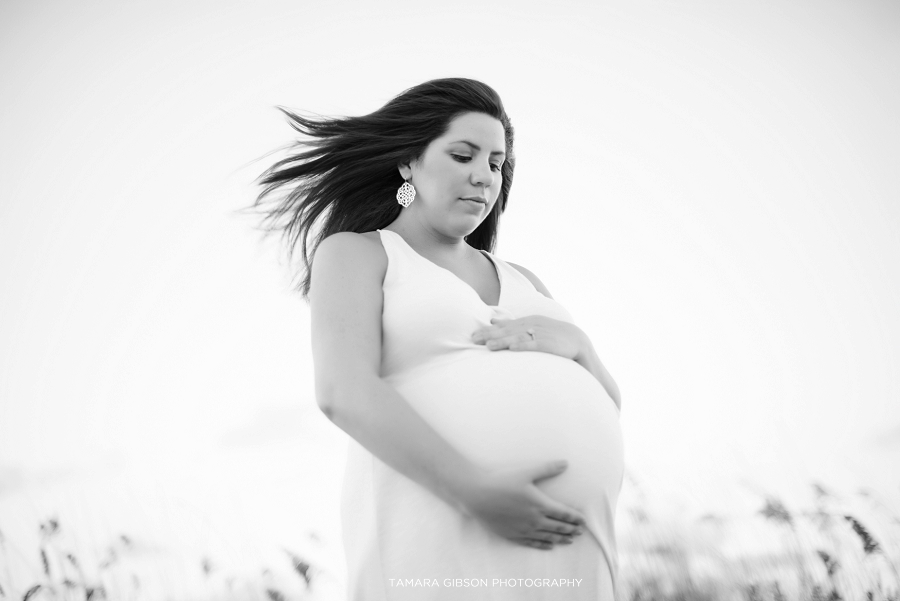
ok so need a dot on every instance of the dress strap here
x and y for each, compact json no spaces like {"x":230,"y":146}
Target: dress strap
{"x":396,"y":256}
{"x":511,"y":274}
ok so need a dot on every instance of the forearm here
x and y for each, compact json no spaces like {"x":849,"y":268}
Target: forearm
{"x":375,"y":415}
{"x":588,"y":359}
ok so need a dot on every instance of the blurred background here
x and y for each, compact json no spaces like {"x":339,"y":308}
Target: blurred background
{"x":711,"y":189}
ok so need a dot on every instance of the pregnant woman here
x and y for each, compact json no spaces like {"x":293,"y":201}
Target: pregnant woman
{"x":485,"y":455}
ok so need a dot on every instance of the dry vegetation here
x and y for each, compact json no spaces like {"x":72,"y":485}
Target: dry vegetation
{"x":821,"y":553}
{"x":826,"y":552}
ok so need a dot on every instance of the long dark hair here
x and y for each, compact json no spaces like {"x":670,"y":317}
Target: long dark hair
{"x":345,"y":174}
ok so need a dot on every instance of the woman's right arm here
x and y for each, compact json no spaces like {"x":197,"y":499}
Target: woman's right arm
{"x":346,"y":306}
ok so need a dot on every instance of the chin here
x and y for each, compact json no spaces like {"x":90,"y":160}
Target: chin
{"x":464,"y":226}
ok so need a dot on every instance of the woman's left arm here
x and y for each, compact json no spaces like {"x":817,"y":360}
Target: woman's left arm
{"x":589,"y":360}
{"x":547,"y":335}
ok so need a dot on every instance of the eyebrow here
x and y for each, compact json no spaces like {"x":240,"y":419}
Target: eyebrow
{"x":477,"y":147}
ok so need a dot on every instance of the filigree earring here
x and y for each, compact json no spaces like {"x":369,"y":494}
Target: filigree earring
{"x":406,"y":194}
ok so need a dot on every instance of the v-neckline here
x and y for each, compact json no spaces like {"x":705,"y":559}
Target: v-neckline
{"x":456,"y":277}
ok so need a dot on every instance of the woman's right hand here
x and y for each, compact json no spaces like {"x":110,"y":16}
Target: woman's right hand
{"x":508,"y":503}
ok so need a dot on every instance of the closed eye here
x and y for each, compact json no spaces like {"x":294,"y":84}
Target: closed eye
{"x":465,"y":159}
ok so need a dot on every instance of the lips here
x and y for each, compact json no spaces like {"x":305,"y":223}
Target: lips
{"x":477,"y":199}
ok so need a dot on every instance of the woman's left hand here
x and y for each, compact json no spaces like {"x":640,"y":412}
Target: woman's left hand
{"x":550,"y":336}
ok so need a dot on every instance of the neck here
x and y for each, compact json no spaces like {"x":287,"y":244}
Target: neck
{"x":423,"y":236}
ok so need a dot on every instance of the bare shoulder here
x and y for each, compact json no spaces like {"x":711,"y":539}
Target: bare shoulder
{"x":345,"y":306}
{"x":353,"y":251}
{"x":533,"y":278}
{"x":350,"y":242}
{"x":347,"y":267}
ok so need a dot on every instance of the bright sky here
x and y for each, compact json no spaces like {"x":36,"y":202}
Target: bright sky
{"x":711,"y":189}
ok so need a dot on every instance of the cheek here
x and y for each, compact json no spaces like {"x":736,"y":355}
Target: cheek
{"x":433,"y":183}
{"x":447,"y":177}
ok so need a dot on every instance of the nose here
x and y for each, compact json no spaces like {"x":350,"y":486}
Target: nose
{"x":482,"y":174}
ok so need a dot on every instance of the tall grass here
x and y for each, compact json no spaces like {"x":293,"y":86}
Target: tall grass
{"x":824,"y":552}
{"x":829,"y":551}
{"x":57,"y":573}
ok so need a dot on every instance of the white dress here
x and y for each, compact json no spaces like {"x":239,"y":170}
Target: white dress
{"x":499,"y":408}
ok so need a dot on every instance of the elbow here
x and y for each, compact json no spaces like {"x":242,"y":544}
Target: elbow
{"x":325,"y":399}
{"x":336,"y":396}
{"x":328,"y":410}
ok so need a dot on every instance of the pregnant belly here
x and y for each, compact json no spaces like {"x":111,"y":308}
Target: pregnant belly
{"x":505,"y":408}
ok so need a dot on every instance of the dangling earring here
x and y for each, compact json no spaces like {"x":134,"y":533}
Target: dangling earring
{"x":406,"y":194}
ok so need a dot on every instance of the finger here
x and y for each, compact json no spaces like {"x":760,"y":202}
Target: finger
{"x":502,"y":342}
{"x":484,"y":335}
{"x":549,"y":537}
{"x":523,"y":342}
{"x":556,"y":538}
{"x":558,"y":517}
{"x":567,"y":516}
{"x":537,"y":544}
{"x":512,"y":337}
{"x":512,"y":342}
{"x":561,"y":528}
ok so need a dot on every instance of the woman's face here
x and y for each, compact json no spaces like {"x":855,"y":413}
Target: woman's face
{"x":463,"y":163}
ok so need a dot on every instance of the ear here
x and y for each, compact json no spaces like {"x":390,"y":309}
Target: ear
{"x":405,"y":171}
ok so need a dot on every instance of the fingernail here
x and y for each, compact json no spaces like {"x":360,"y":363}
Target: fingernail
{"x":566,"y":541}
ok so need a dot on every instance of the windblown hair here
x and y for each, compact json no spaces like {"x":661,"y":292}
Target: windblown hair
{"x":345,"y":174}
